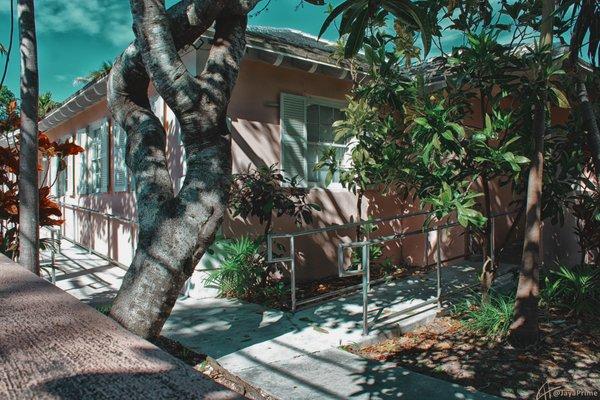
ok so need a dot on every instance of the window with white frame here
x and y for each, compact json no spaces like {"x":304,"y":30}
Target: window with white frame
{"x":306,"y":132}
{"x":94,"y":173}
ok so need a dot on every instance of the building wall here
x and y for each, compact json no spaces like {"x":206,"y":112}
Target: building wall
{"x":256,"y":141}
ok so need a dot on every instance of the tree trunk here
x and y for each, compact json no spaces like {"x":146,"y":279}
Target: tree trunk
{"x":174,"y":231}
{"x":28,"y":145}
{"x":488,"y":273}
{"x":590,"y":122}
{"x":524,"y":329}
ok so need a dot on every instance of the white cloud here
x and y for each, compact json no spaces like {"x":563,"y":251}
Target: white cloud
{"x":110,"y":19}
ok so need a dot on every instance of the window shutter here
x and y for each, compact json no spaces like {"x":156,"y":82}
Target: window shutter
{"x":91,"y":162}
{"x":293,"y":137}
{"x":82,"y":161}
{"x":60,"y":178}
{"x":119,"y":166}
{"x":104,"y":154}
{"x":69,"y":176}
{"x":51,"y":175}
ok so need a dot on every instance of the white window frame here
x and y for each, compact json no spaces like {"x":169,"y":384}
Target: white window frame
{"x":321,"y":101}
{"x":94,"y":156}
{"x":331,"y":103}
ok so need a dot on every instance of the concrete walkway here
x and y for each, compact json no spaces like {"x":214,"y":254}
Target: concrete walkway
{"x":294,"y":356}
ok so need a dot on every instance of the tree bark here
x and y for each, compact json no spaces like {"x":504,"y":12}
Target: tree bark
{"x":525,"y":330}
{"x":174,"y":231}
{"x":28,"y":144}
{"x":488,"y":273}
{"x":590,"y":122}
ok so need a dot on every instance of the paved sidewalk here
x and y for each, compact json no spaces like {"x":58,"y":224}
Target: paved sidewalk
{"x":294,"y":356}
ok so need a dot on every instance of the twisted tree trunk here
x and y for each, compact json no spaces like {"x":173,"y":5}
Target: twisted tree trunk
{"x":174,"y":231}
{"x":29,"y":240}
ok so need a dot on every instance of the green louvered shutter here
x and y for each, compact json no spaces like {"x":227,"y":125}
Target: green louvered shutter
{"x":294,"y":144}
{"x":82,"y":161}
{"x":93,"y":158}
{"x":104,"y":154}
{"x":119,"y":166}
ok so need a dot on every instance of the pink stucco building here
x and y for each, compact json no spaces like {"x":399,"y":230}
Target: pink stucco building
{"x":288,"y":93}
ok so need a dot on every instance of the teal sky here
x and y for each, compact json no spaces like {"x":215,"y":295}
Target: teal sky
{"x":75,"y":37}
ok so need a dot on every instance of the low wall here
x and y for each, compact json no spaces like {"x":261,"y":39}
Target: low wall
{"x":52,"y":346}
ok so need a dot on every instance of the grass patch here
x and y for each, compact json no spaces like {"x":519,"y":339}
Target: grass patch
{"x":490,"y":318}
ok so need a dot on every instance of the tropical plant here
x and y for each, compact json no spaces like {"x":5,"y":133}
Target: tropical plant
{"x":104,"y":69}
{"x":265,"y":192}
{"x":575,"y":290}
{"x":491,"y":317}
{"x":245,"y":274}
{"x":357,"y":16}
{"x":46,"y":104}
{"x":49,"y":212}
{"x":241,"y":272}
{"x":583,"y":17}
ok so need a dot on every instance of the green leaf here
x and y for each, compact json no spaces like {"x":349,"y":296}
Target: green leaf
{"x":333,"y":15}
{"x":561,"y":98}
{"x":460,"y":131}
{"x":447,"y":135}
{"x":423,"y":122}
{"x":357,"y":34}
{"x":488,"y":124}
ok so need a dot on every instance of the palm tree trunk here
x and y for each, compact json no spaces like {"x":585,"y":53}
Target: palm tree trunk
{"x":28,"y":153}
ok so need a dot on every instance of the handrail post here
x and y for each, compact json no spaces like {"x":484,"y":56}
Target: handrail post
{"x":90,"y":230}
{"x":269,"y":248}
{"x":426,"y":253}
{"x":493,"y":242}
{"x":293,"y":272}
{"x":439,"y":266}
{"x":365,"y":287}
{"x":52,"y":257}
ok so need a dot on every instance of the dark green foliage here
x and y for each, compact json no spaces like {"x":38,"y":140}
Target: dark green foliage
{"x":265,"y":192}
{"x":490,"y":318}
{"x":245,"y":274}
{"x":359,"y":15}
{"x":575,"y":290}
{"x":242,"y":270}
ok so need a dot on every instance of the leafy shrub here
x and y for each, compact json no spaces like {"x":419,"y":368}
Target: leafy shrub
{"x":576,"y":290}
{"x":241,"y":272}
{"x":375,"y":250}
{"x":245,"y":273}
{"x":586,"y":208}
{"x":491,"y":318}
{"x":265,"y":191}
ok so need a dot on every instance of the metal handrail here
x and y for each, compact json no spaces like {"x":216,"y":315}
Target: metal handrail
{"x":293,"y":235}
{"x":92,"y":211}
{"x":109,"y":217}
{"x":365,"y":267}
{"x":291,"y":259}
{"x":309,"y":232}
